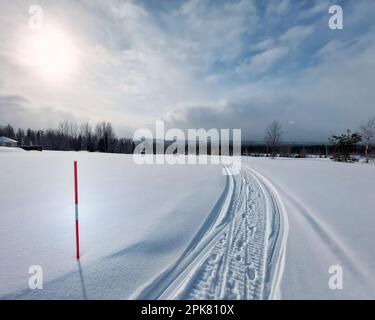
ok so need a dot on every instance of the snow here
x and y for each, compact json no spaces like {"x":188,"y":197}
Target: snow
{"x":240,"y":254}
{"x":10,"y":150}
{"x":134,"y":221}
{"x":331,"y":222}
{"x":185,"y":231}
{"x":288,"y":222}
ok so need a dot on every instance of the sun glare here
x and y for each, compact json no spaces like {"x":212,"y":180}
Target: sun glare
{"x":52,"y":54}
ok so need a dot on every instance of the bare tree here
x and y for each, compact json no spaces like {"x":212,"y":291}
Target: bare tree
{"x":368,"y":134}
{"x":85,"y":132}
{"x":273,"y":137}
{"x":73,"y":137}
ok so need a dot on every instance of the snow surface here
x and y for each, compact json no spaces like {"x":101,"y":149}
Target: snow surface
{"x":186,"y":232}
{"x":240,"y":252}
{"x":330,"y":208}
{"x":134,"y":221}
{"x":10,"y":150}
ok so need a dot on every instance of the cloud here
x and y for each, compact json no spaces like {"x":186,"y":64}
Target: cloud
{"x":296,"y":34}
{"x":16,"y":110}
{"x":262,"y":62}
{"x":216,"y":63}
{"x":211,"y":31}
{"x":12,"y":100}
{"x":318,"y":7}
{"x":272,"y":51}
{"x":278,"y":7}
{"x":326,"y":99}
{"x":264,"y":45}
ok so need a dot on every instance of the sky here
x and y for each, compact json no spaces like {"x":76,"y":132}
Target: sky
{"x":194,"y":64}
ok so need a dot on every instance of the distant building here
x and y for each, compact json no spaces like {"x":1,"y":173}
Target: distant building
{"x":7,"y":142}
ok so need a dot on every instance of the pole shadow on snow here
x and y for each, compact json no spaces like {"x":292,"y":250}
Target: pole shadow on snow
{"x":82,"y":278}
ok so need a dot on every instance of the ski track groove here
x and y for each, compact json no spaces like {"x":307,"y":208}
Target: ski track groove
{"x":241,"y":254}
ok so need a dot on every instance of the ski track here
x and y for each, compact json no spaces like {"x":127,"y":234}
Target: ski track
{"x":238,"y":254}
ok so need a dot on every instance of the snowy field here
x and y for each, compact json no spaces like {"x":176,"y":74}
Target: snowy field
{"x":331,"y":213}
{"x":134,"y":221}
{"x":185,"y":232}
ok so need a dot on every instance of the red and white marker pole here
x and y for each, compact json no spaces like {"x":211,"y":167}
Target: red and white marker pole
{"x":76,"y":206}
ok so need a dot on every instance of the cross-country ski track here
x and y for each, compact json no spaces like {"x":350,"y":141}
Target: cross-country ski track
{"x":239,"y":251}
{"x":187,"y":232}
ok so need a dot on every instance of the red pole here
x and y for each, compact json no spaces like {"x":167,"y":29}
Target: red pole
{"x":76,"y":207}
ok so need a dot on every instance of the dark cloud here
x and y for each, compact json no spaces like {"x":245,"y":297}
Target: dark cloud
{"x":254,"y":116}
{"x":18,"y":111}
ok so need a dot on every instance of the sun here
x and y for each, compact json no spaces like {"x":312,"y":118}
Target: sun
{"x":52,"y":53}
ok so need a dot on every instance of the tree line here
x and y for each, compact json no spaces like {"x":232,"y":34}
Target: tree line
{"x":341,"y":146}
{"x":69,"y":136}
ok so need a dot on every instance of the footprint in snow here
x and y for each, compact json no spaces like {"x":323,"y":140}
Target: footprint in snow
{"x":251,"y":273}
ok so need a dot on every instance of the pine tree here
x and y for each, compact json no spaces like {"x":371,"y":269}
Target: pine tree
{"x":344,"y":145}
